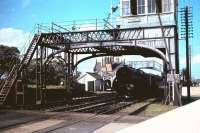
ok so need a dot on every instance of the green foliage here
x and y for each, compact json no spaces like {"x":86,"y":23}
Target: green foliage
{"x":183,"y":74}
{"x":53,"y":77}
{"x":8,"y":56}
{"x":54,"y":73}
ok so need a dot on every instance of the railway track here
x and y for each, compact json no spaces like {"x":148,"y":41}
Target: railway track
{"x":98,"y":110}
{"x":107,"y":104}
{"x":115,"y":108}
{"x":83,"y":102}
{"x":140,"y":106}
{"x":78,"y":100}
{"x":112,"y":109}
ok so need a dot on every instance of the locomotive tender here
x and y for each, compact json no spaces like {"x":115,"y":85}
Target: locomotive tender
{"x":135,"y":83}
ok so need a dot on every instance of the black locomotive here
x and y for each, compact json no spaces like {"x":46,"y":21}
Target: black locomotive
{"x":135,"y":83}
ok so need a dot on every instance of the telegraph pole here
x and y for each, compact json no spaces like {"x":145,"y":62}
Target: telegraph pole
{"x":190,"y":55}
{"x":187,"y":32}
{"x":187,"y":52}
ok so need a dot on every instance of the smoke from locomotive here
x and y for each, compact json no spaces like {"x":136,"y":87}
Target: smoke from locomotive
{"x":136,"y":83}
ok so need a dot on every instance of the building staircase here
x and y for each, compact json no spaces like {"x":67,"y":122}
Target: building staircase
{"x":12,"y":77}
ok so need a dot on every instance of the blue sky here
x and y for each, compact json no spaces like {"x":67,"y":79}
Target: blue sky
{"x":23,"y":14}
{"x":19,"y":17}
{"x":194,"y":42}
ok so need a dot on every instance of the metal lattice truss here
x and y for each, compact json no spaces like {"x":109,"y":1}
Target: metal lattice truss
{"x":61,"y":40}
{"x":105,"y":49}
{"x":146,"y":65}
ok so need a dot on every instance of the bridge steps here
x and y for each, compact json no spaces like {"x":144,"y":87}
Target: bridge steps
{"x":12,"y":77}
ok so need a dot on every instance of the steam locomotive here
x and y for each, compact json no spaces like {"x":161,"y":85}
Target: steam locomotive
{"x":135,"y":83}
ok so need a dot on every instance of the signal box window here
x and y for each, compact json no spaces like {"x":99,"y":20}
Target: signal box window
{"x":167,"y":5}
{"x":151,"y":6}
{"x":125,"y":8}
{"x":141,"y":7}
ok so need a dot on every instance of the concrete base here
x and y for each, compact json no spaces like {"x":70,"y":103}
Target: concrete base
{"x":184,"y":119}
{"x":11,"y":118}
{"x":27,"y":122}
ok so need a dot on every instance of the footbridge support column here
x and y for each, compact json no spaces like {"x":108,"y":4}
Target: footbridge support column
{"x":173,"y":89}
{"x":69,"y":58}
{"x":41,"y":55}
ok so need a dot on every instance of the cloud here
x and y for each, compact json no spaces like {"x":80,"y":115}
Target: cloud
{"x":14,"y":37}
{"x":182,"y":61}
{"x":26,"y":3}
{"x":196,"y":59}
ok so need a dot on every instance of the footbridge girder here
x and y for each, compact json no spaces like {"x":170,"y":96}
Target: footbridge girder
{"x":60,"y":40}
{"x":121,"y":50}
{"x":112,"y":50}
{"x":115,"y":50}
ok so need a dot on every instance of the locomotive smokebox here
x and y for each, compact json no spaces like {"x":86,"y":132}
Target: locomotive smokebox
{"x":136,"y":83}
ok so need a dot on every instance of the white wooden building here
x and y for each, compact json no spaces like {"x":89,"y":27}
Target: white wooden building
{"x":92,"y":81}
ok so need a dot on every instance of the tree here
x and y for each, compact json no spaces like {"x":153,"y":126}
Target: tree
{"x":54,"y":73}
{"x":8,"y":57}
{"x":183,"y":75}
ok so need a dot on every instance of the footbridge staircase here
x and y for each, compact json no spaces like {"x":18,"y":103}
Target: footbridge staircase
{"x":16,"y":69}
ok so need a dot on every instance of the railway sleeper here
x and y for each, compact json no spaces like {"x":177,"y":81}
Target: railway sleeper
{"x":93,"y":107}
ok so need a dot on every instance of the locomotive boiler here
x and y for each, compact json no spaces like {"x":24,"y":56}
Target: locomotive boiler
{"x":136,"y":83}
